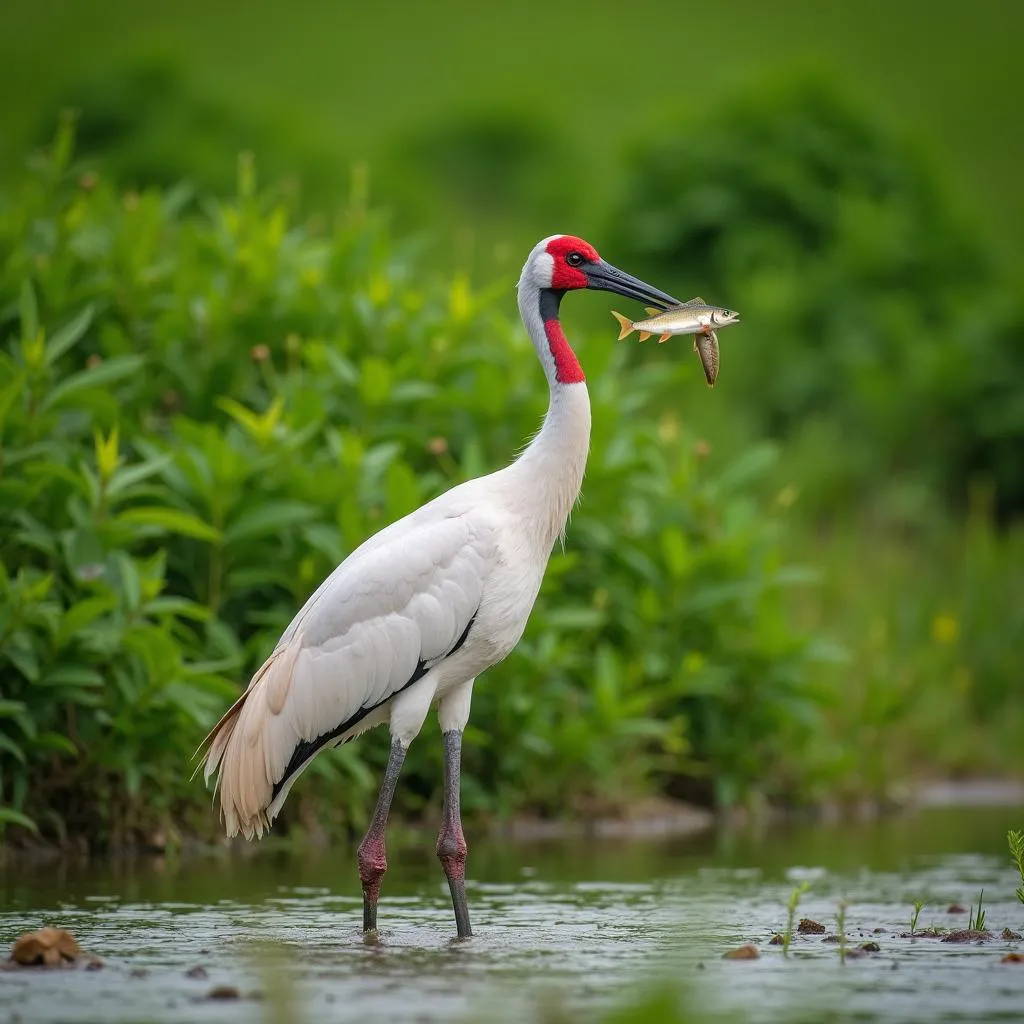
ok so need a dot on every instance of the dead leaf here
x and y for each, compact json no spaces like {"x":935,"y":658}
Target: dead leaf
{"x":746,"y":952}
{"x":48,"y":946}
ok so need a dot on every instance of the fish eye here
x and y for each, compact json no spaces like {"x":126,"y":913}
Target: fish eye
{"x":574,"y":259}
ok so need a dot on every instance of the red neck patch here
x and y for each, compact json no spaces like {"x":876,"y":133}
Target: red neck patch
{"x":567,"y":366}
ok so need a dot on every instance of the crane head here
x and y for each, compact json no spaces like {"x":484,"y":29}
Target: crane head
{"x":567,"y":263}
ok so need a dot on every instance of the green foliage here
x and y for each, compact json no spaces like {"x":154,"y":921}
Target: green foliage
{"x":841,"y":929}
{"x":1015,"y":841}
{"x":919,"y":905}
{"x":874,"y":315}
{"x":794,"y":902}
{"x":204,"y":407}
{"x":976,"y":919}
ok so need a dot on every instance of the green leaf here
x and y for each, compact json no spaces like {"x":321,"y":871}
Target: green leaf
{"x":170,"y":520}
{"x":29,"y":310}
{"x":68,"y":335}
{"x":267,"y":519}
{"x":12,"y":748}
{"x":9,"y":816}
{"x":106,"y":373}
{"x":14,"y":389}
{"x":128,"y":476}
{"x":55,"y":741}
{"x":79,"y":615}
{"x":72,"y":675}
{"x":10,"y":708}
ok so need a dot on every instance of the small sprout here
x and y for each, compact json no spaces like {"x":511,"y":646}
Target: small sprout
{"x":841,"y":926}
{"x":976,"y":922}
{"x":794,"y":901}
{"x":918,"y":907}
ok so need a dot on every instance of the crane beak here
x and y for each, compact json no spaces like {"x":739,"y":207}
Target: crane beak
{"x":606,"y":278}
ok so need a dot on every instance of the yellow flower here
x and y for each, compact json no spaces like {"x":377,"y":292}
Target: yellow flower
{"x":945,"y":629}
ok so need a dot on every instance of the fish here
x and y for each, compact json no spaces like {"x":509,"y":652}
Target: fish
{"x":693,"y":317}
{"x":705,"y":344}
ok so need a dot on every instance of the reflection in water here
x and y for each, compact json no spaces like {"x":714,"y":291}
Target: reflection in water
{"x":581,"y":922}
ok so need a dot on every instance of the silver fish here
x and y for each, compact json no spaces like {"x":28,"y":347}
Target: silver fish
{"x":691,"y":317}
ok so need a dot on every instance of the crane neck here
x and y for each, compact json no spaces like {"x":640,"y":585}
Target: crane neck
{"x":549,"y":473}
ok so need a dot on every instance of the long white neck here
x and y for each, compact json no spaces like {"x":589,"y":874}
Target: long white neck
{"x":547,"y":476}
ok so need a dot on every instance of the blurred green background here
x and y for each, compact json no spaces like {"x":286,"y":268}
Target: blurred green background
{"x":800,"y":587}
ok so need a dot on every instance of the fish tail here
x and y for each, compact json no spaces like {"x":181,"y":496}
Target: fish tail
{"x":625,"y":325}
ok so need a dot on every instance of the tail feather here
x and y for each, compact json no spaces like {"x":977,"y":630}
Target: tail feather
{"x":626,"y":327}
{"x":243,"y":751}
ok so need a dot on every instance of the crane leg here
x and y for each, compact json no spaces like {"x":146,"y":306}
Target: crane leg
{"x":372,"y":856}
{"x":451,"y":844}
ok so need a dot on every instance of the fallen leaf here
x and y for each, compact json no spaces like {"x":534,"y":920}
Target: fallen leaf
{"x":49,"y":946}
{"x":746,"y":952}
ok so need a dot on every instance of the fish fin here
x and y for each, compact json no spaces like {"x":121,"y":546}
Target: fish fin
{"x":695,"y":301}
{"x":664,"y":337}
{"x":695,"y":349}
{"x":644,"y":335}
{"x":625,"y":325}
{"x":652,"y":310}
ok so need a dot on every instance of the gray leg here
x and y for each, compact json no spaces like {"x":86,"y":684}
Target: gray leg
{"x":451,"y":844}
{"x":372,"y":857}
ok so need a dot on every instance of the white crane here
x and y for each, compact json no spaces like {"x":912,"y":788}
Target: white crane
{"x":414,"y":614}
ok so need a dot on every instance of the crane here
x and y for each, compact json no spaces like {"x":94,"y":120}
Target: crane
{"x":414,"y":614}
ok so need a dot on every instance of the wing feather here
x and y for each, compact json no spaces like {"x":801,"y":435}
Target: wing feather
{"x":394,"y":608}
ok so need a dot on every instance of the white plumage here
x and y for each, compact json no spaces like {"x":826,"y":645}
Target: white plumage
{"x":415,"y":613}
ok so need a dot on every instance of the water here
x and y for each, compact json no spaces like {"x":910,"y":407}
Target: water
{"x":579,"y":924}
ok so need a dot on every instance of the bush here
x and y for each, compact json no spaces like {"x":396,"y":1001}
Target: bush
{"x":875,"y":316}
{"x":203,"y":411}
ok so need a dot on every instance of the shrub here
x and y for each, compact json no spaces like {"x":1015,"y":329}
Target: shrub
{"x":202,"y":411}
{"x":875,"y":315}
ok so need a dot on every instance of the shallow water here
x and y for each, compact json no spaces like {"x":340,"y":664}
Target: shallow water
{"x":582,"y":924}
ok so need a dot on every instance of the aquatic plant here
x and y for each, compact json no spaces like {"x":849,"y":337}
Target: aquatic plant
{"x":841,"y":929}
{"x":794,"y":902}
{"x":1016,"y":843}
{"x":976,"y":921}
{"x":918,"y":907}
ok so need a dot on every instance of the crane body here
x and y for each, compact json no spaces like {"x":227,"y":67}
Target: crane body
{"x":413,"y":615}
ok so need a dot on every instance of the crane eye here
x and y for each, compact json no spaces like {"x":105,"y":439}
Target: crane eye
{"x":574,"y":259}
